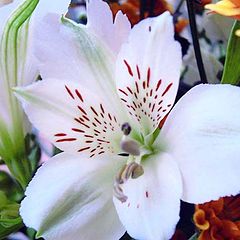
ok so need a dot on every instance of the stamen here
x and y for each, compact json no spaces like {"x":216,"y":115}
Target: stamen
{"x":133,"y":170}
{"x":137,"y":172}
{"x":130,"y":171}
{"x":119,"y":179}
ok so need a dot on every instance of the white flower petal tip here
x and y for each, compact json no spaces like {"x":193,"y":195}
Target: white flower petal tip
{"x":148,"y":71}
{"x":94,"y":56}
{"x":70,"y":198}
{"x":151,"y":207}
{"x":100,"y":20}
{"x":203,"y":135}
{"x":89,"y":61}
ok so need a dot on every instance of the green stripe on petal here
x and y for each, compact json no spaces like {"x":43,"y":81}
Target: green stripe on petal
{"x":99,"y":57}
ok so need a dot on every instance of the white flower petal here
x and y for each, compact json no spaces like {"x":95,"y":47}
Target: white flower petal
{"x":152,"y":209}
{"x":72,"y":118}
{"x":27,"y":69}
{"x":60,"y":7}
{"x":86,"y":53}
{"x":71,"y":198}
{"x":81,"y":56}
{"x":148,"y":71}
{"x":26,"y":65}
{"x":203,"y":134}
{"x":30,"y":70}
{"x":60,"y":45}
{"x":100,"y":22}
{"x":6,"y":11}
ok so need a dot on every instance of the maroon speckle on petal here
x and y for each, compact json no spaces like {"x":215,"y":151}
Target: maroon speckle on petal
{"x":128,"y":68}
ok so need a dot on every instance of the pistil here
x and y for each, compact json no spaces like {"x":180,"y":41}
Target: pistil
{"x":127,"y":144}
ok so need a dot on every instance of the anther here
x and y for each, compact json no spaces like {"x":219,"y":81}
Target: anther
{"x":126,"y":128}
{"x":137,"y":171}
{"x":119,"y":179}
{"x":133,"y":170}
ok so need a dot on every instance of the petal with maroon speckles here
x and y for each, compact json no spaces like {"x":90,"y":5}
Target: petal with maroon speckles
{"x":82,"y":53}
{"x":148,"y":71}
{"x":72,"y":118}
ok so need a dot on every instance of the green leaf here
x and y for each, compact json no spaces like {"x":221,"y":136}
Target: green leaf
{"x":10,"y":220}
{"x":10,"y":187}
{"x":33,"y":151}
{"x":231,"y":73}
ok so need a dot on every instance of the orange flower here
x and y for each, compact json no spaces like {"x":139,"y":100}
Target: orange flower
{"x":219,"y":220}
{"x":181,"y":24}
{"x":131,"y":8}
{"x":229,"y":8}
{"x":204,"y":2}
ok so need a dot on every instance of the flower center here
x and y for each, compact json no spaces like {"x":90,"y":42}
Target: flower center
{"x":133,"y":169}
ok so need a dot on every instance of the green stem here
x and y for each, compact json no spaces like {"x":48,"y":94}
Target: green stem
{"x":231,"y":73}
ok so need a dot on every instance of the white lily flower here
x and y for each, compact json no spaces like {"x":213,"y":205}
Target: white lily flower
{"x":98,"y":105}
{"x":18,"y":67}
